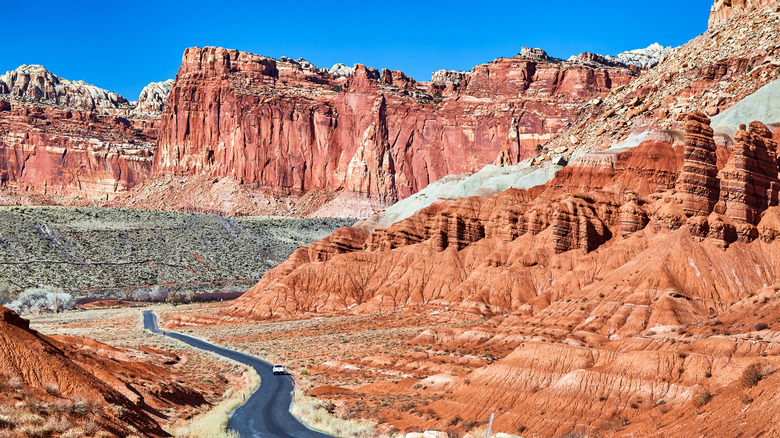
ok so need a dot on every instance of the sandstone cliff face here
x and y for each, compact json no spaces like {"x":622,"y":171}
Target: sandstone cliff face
{"x":274,"y":123}
{"x":724,"y":10}
{"x":67,"y":153}
{"x":748,"y":183}
{"x":70,"y":142}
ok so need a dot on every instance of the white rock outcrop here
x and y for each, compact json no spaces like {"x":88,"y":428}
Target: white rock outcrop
{"x":648,"y":57}
{"x":444,"y":76}
{"x":34,"y":82}
{"x":153,"y":97}
{"x":341,"y":70}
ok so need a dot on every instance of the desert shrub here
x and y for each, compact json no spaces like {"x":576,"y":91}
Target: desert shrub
{"x":42,"y":299}
{"x":761,"y":326}
{"x":91,"y":428}
{"x":36,"y":406}
{"x":469,"y":424}
{"x":61,"y":424}
{"x":141,"y":295}
{"x":159,"y":293}
{"x":63,"y":406}
{"x":81,"y":407}
{"x":53,"y":389}
{"x":16,"y":383}
{"x":6,"y":292}
{"x":754,"y":374}
{"x":175,"y":297}
{"x":703,"y":397}
{"x":117,"y":410}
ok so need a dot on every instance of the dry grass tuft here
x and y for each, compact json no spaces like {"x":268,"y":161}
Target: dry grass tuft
{"x":754,"y":374}
{"x":213,"y":423}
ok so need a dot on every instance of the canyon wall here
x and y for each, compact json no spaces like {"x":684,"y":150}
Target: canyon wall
{"x":70,"y":142}
{"x":289,"y":125}
{"x":724,"y":10}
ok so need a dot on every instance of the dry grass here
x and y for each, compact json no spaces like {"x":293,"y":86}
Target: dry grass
{"x":213,"y":423}
{"x":36,"y":418}
{"x":754,"y":374}
{"x":313,"y":413}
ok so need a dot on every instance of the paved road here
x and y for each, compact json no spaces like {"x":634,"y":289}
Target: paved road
{"x":267,"y":411}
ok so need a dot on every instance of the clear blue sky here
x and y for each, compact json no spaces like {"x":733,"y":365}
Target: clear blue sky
{"x":123,"y":45}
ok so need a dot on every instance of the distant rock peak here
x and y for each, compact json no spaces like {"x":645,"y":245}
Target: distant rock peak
{"x":153,"y":97}
{"x":303,"y":64}
{"x":645,"y":58}
{"x":341,"y":70}
{"x":35,"y":82}
{"x":533,"y":53}
{"x":448,"y":76}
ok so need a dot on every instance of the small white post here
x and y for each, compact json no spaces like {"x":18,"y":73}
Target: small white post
{"x":490,"y":425}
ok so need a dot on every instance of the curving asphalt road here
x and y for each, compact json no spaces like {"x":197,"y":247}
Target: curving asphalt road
{"x":267,"y":411}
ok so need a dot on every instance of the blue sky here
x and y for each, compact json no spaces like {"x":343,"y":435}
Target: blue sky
{"x":122,"y":45}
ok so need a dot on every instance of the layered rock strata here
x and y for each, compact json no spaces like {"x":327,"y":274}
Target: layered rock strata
{"x":68,"y":142}
{"x":587,"y":286}
{"x":698,"y":178}
{"x":748,"y":183}
{"x":276,"y":124}
{"x":544,"y":223}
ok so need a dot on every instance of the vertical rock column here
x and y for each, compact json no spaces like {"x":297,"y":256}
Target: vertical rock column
{"x":698,"y":181}
{"x":749,"y":182}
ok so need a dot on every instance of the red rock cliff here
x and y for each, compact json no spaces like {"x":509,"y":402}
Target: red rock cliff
{"x":724,"y":10}
{"x":69,"y":141}
{"x":289,"y":125}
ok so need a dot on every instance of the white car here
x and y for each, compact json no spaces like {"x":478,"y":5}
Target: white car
{"x":279,"y":369}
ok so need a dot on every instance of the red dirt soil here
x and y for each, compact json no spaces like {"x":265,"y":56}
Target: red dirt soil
{"x":126,"y":393}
